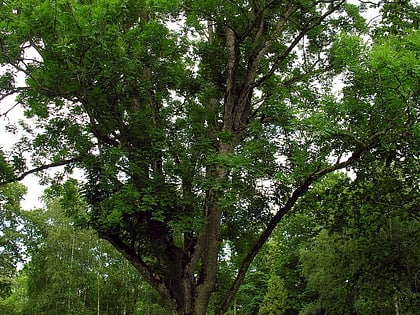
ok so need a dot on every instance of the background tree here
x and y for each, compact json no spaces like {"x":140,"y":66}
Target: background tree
{"x":364,"y":261}
{"x":73,"y":272}
{"x":198,"y":124}
{"x":367,"y":253}
{"x":14,"y":302}
{"x":350,"y":247}
{"x":13,"y":235}
{"x":281,"y":255}
{"x":275,"y":299}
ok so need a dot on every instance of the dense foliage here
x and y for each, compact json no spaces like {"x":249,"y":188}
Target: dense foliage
{"x":71,"y":271}
{"x":198,"y":125}
{"x":351,"y":247}
{"x":16,"y":233}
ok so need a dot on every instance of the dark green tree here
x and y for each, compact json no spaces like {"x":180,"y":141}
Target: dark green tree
{"x":200,"y":123}
{"x":365,"y":259}
{"x":350,"y":246}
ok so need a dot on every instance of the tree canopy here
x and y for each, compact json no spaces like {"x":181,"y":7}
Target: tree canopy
{"x":197,"y":125}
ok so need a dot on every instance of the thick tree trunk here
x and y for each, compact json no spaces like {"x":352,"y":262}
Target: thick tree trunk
{"x":210,"y":243}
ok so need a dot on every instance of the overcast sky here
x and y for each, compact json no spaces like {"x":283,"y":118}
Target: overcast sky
{"x":8,"y":139}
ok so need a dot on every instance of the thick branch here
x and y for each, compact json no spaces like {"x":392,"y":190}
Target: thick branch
{"x":152,"y":278}
{"x":233,"y":64}
{"x":259,"y":18}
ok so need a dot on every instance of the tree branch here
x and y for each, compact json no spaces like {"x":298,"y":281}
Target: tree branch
{"x":39,"y":169}
{"x":255,"y":59}
{"x":306,"y":28}
{"x":11,"y":92}
{"x":4,"y":114}
{"x":154,"y":279}
{"x":297,"y":193}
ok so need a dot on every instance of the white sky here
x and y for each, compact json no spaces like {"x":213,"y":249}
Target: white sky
{"x":7,"y":140}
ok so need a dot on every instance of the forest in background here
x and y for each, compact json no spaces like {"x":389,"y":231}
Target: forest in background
{"x":234,"y":157}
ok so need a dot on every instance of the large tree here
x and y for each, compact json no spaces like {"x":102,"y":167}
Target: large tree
{"x":199,"y":124}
